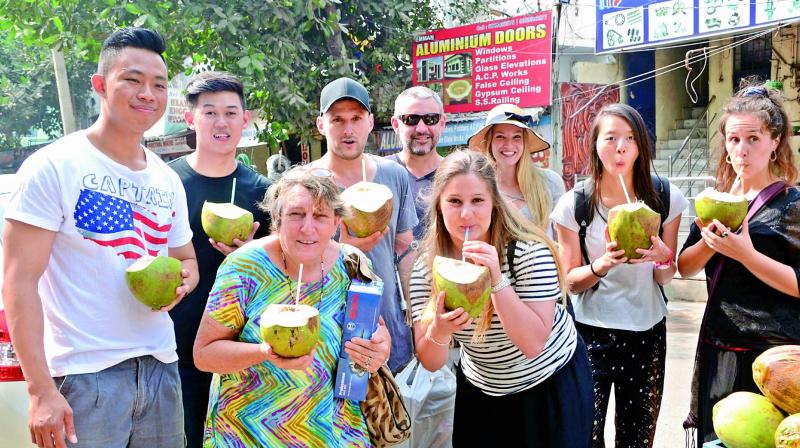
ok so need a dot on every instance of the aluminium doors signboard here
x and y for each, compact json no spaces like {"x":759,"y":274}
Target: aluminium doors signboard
{"x":476,"y":67}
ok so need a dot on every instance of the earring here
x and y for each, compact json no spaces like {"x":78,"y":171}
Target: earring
{"x":728,"y":159}
{"x":774,"y":156}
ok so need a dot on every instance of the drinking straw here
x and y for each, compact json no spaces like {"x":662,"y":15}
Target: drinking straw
{"x":299,"y":282}
{"x":233,"y":190}
{"x":466,"y":237}
{"x":364,"y":168}
{"x":733,"y":185}
{"x":624,"y":188}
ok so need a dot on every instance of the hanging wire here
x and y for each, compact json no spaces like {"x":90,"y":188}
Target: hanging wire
{"x":690,"y":85}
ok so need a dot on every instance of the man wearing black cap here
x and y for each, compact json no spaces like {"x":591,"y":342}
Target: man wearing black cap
{"x":346,"y":121}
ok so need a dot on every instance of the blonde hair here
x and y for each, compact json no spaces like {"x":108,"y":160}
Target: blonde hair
{"x":530,"y":180}
{"x":506,"y":224}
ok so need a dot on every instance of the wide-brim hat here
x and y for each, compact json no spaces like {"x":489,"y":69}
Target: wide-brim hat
{"x":513,"y":115}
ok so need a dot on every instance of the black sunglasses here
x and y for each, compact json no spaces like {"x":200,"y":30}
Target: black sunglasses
{"x":413,"y":119}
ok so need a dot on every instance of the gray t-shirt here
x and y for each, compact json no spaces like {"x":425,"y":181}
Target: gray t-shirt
{"x":404,"y":217}
{"x":420,"y":191}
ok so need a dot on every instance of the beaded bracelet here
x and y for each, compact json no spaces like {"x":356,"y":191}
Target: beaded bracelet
{"x":666,"y":264}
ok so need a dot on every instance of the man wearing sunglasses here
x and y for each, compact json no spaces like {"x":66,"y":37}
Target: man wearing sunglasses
{"x":346,"y":121}
{"x":418,"y":121}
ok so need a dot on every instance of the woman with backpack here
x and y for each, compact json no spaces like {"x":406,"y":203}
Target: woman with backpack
{"x":508,"y":140}
{"x":618,"y":304}
{"x":753,"y":271}
{"x":523,"y":374}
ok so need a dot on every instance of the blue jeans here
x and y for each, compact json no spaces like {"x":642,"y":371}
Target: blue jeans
{"x":136,"y":403}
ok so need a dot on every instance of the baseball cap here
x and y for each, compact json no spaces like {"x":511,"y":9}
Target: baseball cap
{"x":343,"y":88}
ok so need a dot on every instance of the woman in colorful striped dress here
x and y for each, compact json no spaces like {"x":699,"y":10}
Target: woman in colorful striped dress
{"x":258,"y":398}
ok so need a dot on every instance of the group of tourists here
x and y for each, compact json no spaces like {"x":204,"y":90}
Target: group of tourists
{"x":570,"y":317}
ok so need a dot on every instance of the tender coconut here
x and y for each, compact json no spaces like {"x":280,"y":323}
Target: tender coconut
{"x":291,"y":330}
{"x":746,"y":420}
{"x":224,"y":222}
{"x":466,"y":285}
{"x":371,"y":207}
{"x":631,"y":226}
{"x":153,"y":280}
{"x":726,"y":208}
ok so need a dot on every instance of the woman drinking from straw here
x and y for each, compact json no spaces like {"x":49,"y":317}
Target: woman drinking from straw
{"x":753,"y":272}
{"x":619,"y":308}
{"x":257,"y":397}
{"x":523,"y":373}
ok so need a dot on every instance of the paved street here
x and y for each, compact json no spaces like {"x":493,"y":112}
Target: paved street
{"x":683,"y":324}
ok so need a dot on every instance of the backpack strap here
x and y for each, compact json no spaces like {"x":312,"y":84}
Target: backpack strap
{"x":583,"y":199}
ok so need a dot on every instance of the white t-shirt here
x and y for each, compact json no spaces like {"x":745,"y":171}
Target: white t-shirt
{"x":495,"y":365}
{"x":105,"y":216}
{"x":628,"y":297}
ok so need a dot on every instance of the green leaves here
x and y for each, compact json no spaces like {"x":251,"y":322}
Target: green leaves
{"x":284,"y":50}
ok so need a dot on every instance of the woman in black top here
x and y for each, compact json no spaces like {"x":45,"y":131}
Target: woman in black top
{"x":754,"y":304}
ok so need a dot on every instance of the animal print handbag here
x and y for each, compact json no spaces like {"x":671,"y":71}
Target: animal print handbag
{"x":385,"y":413}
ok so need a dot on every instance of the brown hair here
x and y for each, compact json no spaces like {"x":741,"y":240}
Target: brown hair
{"x":642,"y":182}
{"x":506,"y":225}
{"x":767,"y":104}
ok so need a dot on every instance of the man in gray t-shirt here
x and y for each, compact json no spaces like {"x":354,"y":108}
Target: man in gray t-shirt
{"x":346,"y":122}
{"x":419,"y":120}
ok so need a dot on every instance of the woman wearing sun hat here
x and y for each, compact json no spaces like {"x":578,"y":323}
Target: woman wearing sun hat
{"x":509,"y":140}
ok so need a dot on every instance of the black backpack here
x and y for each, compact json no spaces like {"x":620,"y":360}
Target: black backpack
{"x":584,"y":215}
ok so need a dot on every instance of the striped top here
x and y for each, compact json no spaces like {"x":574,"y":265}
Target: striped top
{"x":264,"y":405}
{"x":496,"y":365}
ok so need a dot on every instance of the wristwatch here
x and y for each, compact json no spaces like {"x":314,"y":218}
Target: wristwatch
{"x":503,"y":283}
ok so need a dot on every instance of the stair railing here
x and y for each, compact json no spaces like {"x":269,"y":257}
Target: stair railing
{"x":694,"y":155}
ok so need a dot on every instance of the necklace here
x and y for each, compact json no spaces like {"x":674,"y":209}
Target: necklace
{"x":321,"y":274}
{"x":513,"y":196}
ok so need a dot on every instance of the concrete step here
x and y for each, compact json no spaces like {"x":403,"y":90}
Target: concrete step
{"x":682,"y":133}
{"x":676,"y":143}
{"x":684,"y":123}
{"x":694,"y":112}
{"x":692,"y":289}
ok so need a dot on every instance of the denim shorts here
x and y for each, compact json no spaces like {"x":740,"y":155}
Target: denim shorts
{"x":136,"y":403}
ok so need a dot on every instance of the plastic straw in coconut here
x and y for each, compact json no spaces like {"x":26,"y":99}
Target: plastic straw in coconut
{"x":233,"y":190}
{"x":466,"y":237}
{"x":299,"y":283}
{"x":364,"y":167}
{"x":624,"y":189}
{"x":733,"y":185}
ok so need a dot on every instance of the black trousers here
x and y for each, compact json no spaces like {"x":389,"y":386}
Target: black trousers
{"x":555,"y":413}
{"x":632,"y":362}
{"x":194,"y":385}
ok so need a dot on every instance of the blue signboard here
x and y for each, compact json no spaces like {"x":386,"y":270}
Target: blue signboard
{"x":640,"y":24}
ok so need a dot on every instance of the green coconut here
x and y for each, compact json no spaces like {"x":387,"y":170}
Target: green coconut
{"x":746,"y":420}
{"x":465,"y":285}
{"x":370,"y":206}
{"x":291,"y":330}
{"x":153,"y":280}
{"x":788,"y":433}
{"x":225,"y":222}
{"x":631,"y":226}
{"x":726,"y":208}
